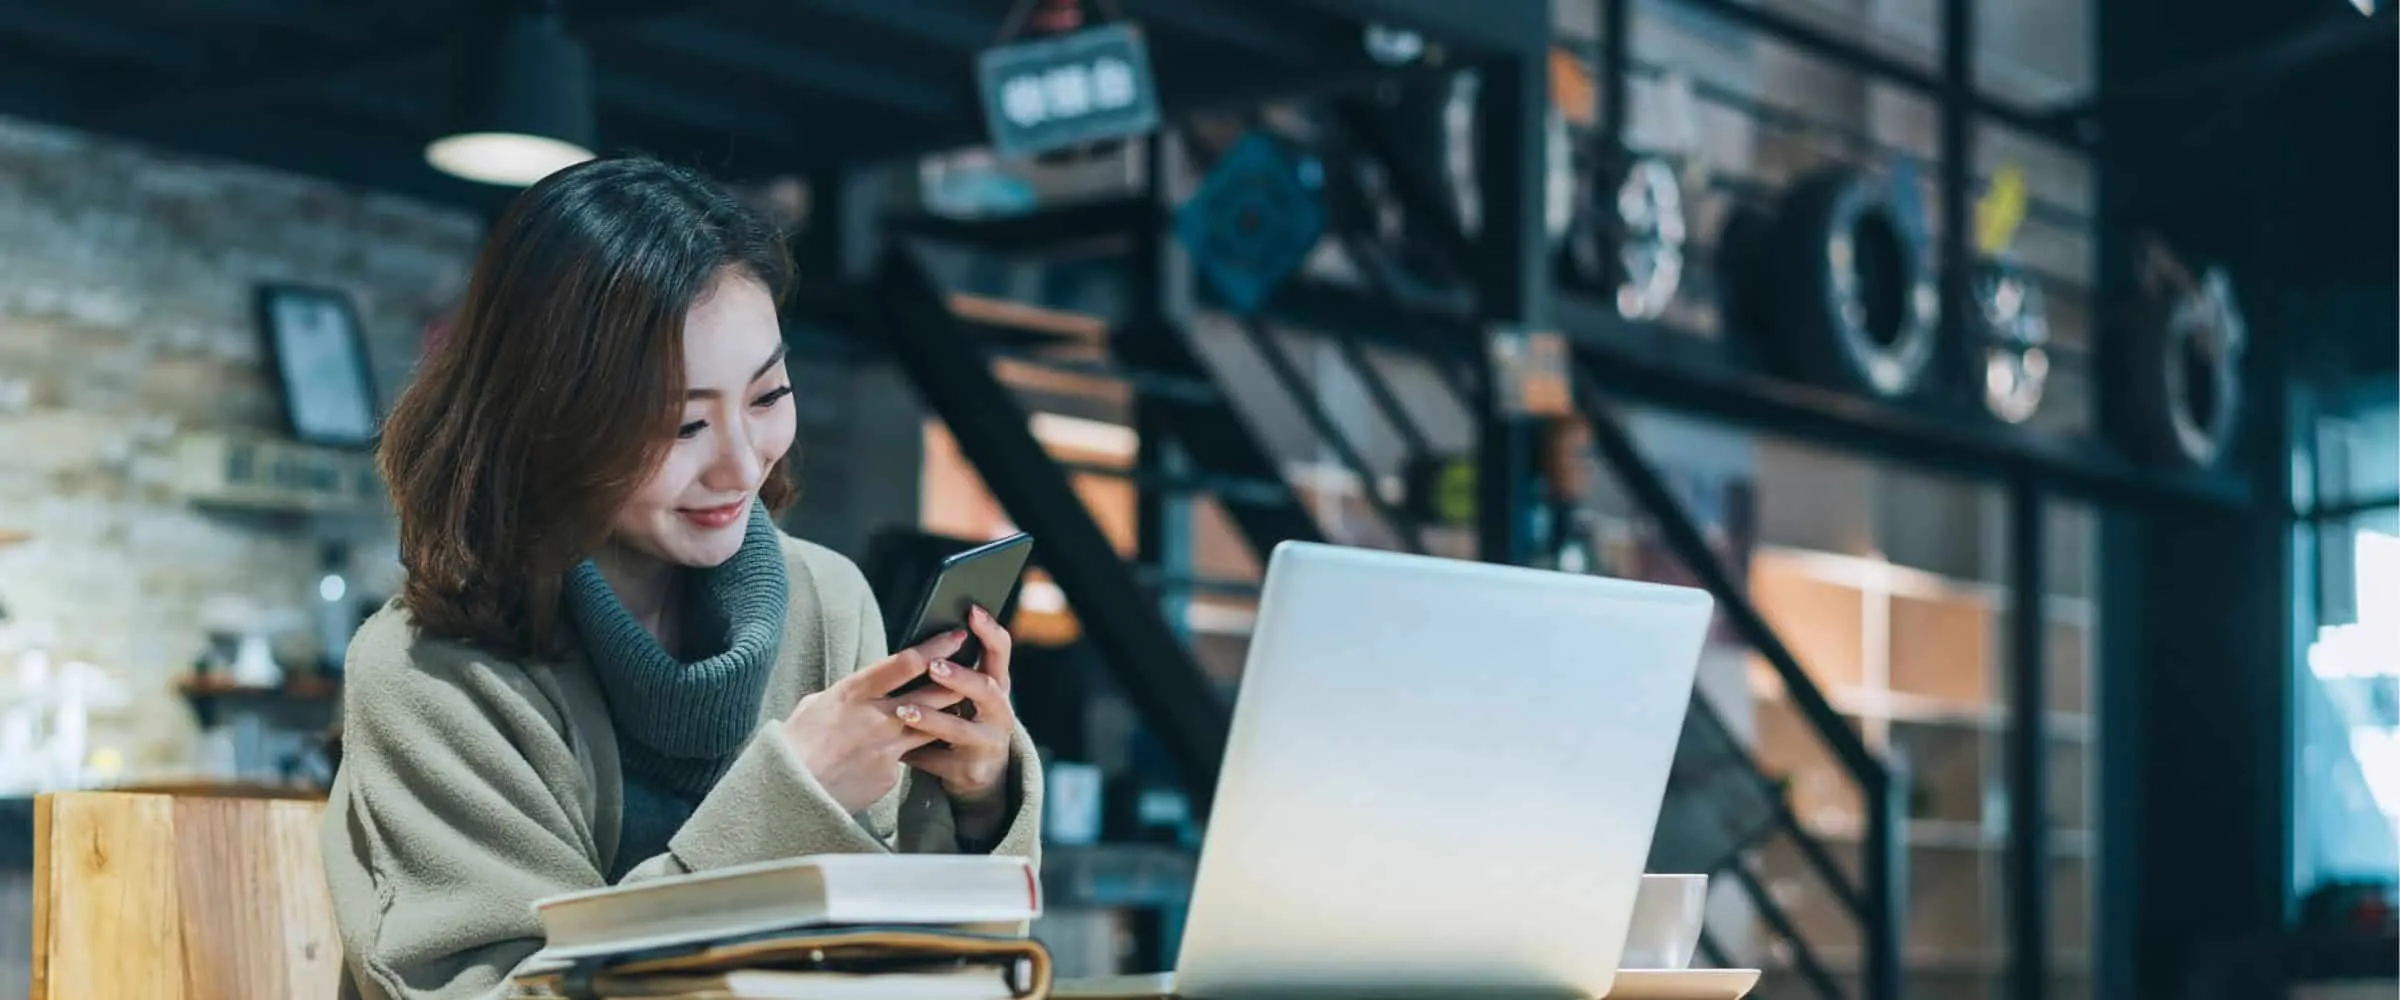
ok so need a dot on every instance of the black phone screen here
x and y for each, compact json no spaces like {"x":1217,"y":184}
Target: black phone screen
{"x":985,"y":576}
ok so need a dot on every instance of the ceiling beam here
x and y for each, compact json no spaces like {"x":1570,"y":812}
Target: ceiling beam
{"x":1243,"y":26}
{"x":816,"y":71}
{"x":279,"y":15}
{"x":968,"y":28}
{"x":1519,"y":26}
{"x":940,"y":22}
{"x":96,"y":39}
{"x":2335,"y":34}
{"x":417,"y":47}
{"x":713,"y":113}
{"x":349,"y":156}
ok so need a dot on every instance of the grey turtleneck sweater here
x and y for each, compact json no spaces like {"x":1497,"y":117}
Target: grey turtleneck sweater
{"x":680,"y":724}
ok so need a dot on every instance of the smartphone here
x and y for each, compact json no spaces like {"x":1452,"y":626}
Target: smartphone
{"x":985,"y":576}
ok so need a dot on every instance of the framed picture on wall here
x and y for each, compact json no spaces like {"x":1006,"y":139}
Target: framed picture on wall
{"x":319,"y":355}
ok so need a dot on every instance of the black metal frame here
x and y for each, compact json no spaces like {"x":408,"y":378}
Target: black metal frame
{"x":1512,"y":285}
{"x":2027,"y":468}
{"x":1130,"y":630}
{"x":1507,"y":261}
{"x":1643,"y":362}
{"x":1880,"y":904}
{"x":1510,"y":258}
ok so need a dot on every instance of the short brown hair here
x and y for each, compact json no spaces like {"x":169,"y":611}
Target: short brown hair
{"x":555,"y":392}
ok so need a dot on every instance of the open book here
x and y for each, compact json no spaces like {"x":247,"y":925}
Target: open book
{"x":1631,"y":984}
{"x":968,"y":983}
{"x":979,"y":893}
{"x":841,"y":963}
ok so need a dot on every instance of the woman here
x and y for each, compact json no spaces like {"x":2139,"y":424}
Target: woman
{"x":607,"y":665}
{"x":1564,"y":535}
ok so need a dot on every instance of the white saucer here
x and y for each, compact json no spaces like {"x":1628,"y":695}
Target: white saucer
{"x":1682,"y":984}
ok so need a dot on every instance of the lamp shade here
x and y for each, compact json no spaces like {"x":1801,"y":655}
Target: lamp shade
{"x":523,"y":107}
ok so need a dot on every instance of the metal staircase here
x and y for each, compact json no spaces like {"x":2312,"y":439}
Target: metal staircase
{"x":1720,"y":806}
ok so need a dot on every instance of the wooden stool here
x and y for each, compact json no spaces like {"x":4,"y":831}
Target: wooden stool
{"x":180,"y":897}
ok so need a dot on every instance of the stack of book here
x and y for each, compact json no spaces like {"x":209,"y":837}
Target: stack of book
{"x":825,"y":927}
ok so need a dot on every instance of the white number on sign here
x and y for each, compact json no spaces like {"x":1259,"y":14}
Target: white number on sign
{"x":1070,"y":90}
{"x":1112,"y":83}
{"x":1022,"y":100}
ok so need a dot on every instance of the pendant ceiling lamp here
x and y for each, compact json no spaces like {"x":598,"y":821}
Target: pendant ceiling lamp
{"x":523,"y":107}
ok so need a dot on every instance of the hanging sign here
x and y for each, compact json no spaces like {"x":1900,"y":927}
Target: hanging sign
{"x":1530,"y":370}
{"x":1068,"y":90}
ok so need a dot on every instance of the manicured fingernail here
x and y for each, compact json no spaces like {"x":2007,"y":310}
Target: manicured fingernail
{"x":959,"y":634}
{"x":908,"y":713}
{"x":982,"y":617}
{"x":941,"y":668}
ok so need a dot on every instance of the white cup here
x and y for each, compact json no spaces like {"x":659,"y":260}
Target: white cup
{"x":1665,"y":928}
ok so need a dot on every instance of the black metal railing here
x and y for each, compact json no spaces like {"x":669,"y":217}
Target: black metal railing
{"x":1879,"y":904}
{"x":1120,"y":606}
{"x":955,"y":378}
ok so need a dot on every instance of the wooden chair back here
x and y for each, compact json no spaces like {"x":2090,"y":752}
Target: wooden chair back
{"x":180,"y":897}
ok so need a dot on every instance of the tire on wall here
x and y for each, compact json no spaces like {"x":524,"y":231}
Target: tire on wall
{"x":2182,"y":377}
{"x":1744,"y":308}
{"x":1852,"y":289}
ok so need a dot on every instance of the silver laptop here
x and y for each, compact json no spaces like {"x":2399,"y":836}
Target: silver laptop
{"x":1442,"y":779}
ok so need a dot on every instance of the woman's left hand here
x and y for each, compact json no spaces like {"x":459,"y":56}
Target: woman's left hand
{"x":974,"y":766}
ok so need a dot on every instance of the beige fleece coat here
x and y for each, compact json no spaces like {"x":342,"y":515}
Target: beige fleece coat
{"x":471,"y":786}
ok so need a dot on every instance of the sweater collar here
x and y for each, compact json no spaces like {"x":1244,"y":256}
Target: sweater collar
{"x":700,"y":709}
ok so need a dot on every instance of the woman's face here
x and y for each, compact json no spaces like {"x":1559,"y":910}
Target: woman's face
{"x":737,"y":423}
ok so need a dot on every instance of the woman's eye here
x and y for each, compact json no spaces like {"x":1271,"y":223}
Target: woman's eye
{"x":690,"y":430}
{"x":772,"y":398}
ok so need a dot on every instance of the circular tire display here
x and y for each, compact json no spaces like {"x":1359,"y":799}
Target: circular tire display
{"x":1743,"y":305}
{"x":1363,"y":197}
{"x":1853,"y":294}
{"x":2183,"y":376}
{"x":1626,"y":236}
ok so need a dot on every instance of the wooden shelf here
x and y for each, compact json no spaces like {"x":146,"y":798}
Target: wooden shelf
{"x":220,"y":788}
{"x":207,"y":694}
{"x":1950,"y":835}
{"x":1868,"y":573}
{"x":1895,"y":706}
{"x":304,"y":687}
{"x":1917,"y":663}
{"x":1850,"y":960}
{"x":1819,"y":620}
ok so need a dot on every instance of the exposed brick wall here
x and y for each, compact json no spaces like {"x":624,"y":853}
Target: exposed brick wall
{"x":125,"y":317}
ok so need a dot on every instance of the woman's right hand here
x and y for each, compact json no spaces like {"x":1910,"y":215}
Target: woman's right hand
{"x":850,"y":735}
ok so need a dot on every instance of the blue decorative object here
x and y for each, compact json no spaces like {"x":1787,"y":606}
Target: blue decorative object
{"x":1908,"y":193}
{"x":1254,"y":220}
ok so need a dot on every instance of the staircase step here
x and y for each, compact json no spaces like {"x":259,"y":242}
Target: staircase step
{"x":1229,"y":489}
{"x":1180,"y":583}
{"x":1148,"y":382}
{"x":907,"y":311}
{"x":1005,"y":321}
{"x":1088,"y":228}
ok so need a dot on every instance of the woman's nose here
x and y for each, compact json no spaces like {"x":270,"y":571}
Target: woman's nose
{"x":737,"y":467}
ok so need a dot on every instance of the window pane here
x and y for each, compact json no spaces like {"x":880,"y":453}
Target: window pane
{"x":2358,"y":444}
{"x":2034,"y":53}
{"x":2348,"y":692}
